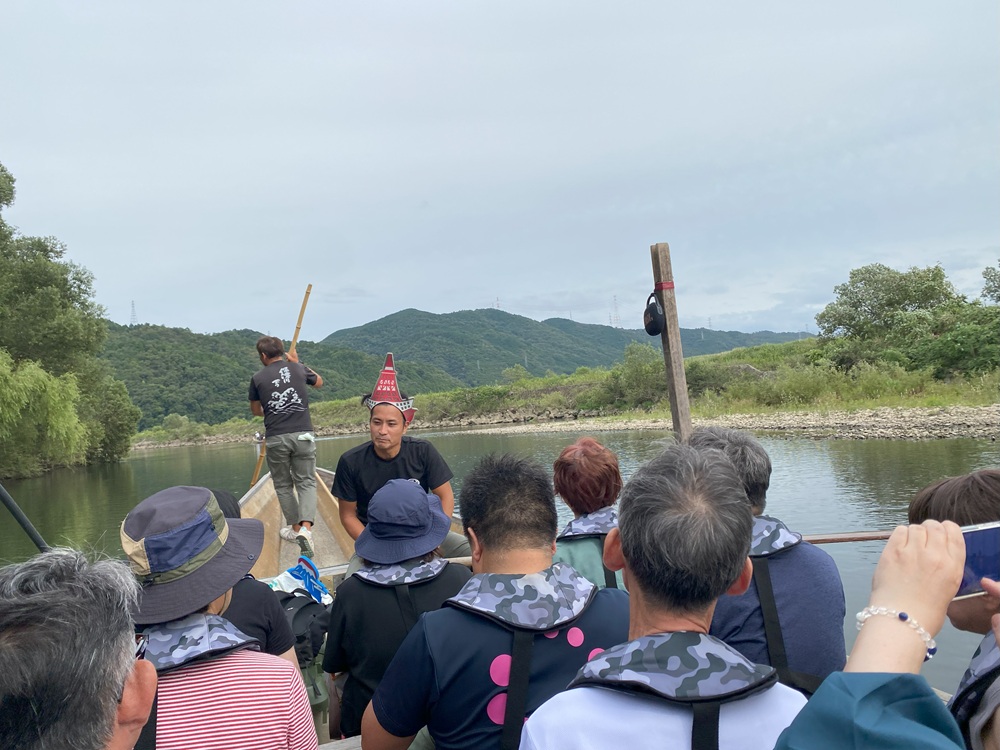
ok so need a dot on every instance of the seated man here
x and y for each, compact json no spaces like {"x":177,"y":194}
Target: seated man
{"x":967,"y":500}
{"x":514,"y":635}
{"x":391,"y":454}
{"x":682,"y":539}
{"x":587,"y":478}
{"x":70,"y":669}
{"x":402,"y":576}
{"x":216,"y":690}
{"x":792,"y":615}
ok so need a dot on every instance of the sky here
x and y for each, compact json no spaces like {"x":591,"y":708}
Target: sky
{"x":208,"y":160}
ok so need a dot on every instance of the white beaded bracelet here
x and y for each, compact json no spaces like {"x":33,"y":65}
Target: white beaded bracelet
{"x":868,"y":612}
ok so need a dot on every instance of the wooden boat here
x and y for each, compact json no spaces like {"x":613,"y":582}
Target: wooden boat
{"x":332,"y":544}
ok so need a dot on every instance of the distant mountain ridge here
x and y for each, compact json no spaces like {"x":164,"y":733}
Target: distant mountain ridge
{"x":205,"y":377}
{"x":476,"y":346}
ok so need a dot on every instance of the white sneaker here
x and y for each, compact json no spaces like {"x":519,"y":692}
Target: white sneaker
{"x":287,"y":534}
{"x":304,"y":538}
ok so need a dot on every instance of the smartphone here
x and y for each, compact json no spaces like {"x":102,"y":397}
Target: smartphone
{"x":982,"y":556}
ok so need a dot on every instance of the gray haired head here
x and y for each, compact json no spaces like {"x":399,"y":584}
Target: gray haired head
{"x":67,"y":645}
{"x":746,"y":454}
{"x":510,"y":503}
{"x":685,"y":527}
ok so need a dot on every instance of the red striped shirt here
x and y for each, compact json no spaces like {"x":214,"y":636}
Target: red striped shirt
{"x":240,"y":701}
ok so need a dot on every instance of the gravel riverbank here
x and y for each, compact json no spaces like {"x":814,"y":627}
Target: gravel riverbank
{"x":982,"y":422}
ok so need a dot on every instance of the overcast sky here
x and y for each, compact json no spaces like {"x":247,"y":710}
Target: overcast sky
{"x":209,"y":159}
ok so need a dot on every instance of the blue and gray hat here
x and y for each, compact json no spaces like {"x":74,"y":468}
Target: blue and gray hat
{"x":404,"y":522}
{"x":185,"y":553}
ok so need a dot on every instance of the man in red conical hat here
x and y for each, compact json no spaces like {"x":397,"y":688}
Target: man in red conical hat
{"x":391,"y":454}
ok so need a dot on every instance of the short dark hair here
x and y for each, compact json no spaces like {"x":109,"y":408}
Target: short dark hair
{"x":685,"y":527}
{"x":586,"y":476}
{"x":509,"y":502}
{"x":67,"y":646}
{"x":746,"y":454}
{"x":966,"y":500}
{"x":270,"y":347}
{"x":364,"y":400}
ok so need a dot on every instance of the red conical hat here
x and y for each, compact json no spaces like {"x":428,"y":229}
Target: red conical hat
{"x":387,"y":392}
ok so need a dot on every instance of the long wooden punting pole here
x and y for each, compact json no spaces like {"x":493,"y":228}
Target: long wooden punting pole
{"x":257,"y":468}
{"x":847,"y":536}
{"x":298,"y":324}
{"x":673,"y":357}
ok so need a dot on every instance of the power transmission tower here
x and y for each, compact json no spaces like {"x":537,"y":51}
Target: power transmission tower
{"x":134,"y":319}
{"x":617,"y":320}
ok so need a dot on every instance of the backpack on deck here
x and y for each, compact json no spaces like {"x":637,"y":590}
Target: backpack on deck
{"x":309,"y":621}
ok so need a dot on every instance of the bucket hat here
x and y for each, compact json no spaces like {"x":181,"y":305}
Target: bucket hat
{"x":386,"y":391}
{"x":404,"y":522}
{"x":185,"y":552}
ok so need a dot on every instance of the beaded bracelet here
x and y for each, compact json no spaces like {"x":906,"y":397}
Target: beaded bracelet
{"x":868,"y":612}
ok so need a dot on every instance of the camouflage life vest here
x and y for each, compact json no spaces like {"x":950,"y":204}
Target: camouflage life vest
{"x":983,"y":670}
{"x":771,"y":536}
{"x":399,"y":577}
{"x":198,"y":637}
{"x":596,"y":525}
{"x":527,"y":605}
{"x":689,"y":669}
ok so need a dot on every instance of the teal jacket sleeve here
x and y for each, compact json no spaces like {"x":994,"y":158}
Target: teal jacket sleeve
{"x":869,"y":710}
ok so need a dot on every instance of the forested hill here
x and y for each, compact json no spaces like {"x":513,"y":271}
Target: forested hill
{"x":476,"y":346}
{"x":206,"y":377}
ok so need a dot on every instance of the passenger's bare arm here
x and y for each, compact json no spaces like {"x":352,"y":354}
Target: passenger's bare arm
{"x":349,"y":518}
{"x":374,"y":737}
{"x":447,"y":496}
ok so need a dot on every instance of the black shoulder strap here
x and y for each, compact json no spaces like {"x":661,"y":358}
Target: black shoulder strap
{"x":805,"y":683}
{"x":705,"y":726}
{"x":407,"y":608}
{"x":517,"y":689}
{"x":147,"y":737}
{"x":610,"y":579}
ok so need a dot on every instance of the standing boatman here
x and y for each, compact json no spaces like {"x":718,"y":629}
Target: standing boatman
{"x":278,"y":393}
{"x":391,"y":454}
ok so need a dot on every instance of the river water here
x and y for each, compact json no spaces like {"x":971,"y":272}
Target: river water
{"x":817,"y":486}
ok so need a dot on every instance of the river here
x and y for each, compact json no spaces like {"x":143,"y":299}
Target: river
{"x":817,"y":486}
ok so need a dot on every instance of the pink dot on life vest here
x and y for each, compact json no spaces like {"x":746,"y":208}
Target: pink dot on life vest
{"x":594,"y":653}
{"x":575,"y":637}
{"x":496,"y":708}
{"x":500,"y":670}
{"x":552,"y":634}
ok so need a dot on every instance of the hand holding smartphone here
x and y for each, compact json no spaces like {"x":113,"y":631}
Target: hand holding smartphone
{"x":982,"y":557}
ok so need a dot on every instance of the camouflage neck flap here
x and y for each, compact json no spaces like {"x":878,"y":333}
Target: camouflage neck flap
{"x":770,"y":535}
{"x":965,"y":701}
{"x":409,"y":571}
{"x":537,"y":601}
{"x":197,"y":637}
{"x":681,"y":667}
{"x":598,"y":523}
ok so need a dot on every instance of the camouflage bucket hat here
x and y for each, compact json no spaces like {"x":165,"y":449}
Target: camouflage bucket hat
{"x":185,"y":553}
{"x":404,"y":522}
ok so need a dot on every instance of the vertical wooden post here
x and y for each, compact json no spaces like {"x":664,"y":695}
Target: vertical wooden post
{"x":673,"y":357}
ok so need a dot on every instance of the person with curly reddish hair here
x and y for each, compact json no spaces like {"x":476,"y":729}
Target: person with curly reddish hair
{"x":587,"y":478}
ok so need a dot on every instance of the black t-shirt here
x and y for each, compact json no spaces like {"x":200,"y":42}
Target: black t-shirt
{"x":281,"y":389}
{"x":361,"y":473}
{"x":255,"y":610}
{"x":366,"y":628}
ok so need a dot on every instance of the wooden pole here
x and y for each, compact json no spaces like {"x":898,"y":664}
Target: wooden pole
{"x":673,"y":357}
{"x":847,"y":536}
{"x":260,"y":463}
{"x":298,"y":324}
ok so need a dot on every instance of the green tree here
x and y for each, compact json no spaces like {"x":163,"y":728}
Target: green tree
{"x":991,"y":285}
{"x":39,"y":426}
{"x":64,"y":406}
{"x":866,"y":303}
